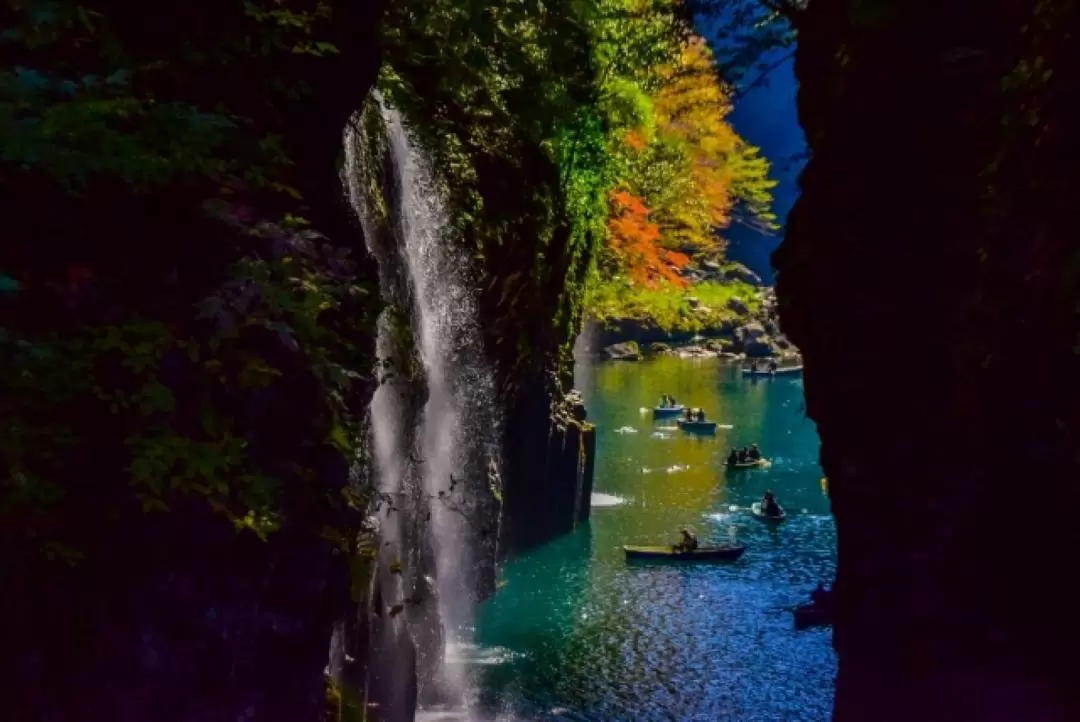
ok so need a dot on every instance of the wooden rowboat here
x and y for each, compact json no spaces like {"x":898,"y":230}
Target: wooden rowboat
{"x":671,"y":554}
{"x":701,"y":427}
{"x":782,"y":371}
{"x":755,"y":464}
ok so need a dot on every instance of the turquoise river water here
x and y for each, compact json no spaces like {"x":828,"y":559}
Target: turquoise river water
{"x":575,"y":633}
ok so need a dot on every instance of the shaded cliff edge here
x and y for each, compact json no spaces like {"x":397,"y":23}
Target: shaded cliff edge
{"x":177,"y":615}
{"x":936,"y":207}
{"x":549,"y":460}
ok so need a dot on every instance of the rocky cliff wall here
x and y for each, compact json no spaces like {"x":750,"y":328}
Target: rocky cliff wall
{"x":936,"y":206}
{"x":550,"y":454}
{"x":189,"y":402}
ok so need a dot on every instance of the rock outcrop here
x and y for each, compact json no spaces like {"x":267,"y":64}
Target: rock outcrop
{"x":936,"y":206}
{"x":552,"y":491}
{"x":625,"y":351}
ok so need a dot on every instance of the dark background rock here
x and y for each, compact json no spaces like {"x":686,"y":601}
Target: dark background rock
{"x":936,"y":209}
{"x":177,"y":616}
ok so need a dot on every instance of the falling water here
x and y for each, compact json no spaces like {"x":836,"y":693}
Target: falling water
{"x":457,"y":425}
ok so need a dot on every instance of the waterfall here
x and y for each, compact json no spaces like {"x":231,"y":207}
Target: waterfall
{"x":432,"y":461}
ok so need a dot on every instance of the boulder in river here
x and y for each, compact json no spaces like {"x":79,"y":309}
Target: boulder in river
{"x":712,"y":269}
{"x":720,"y":345}
{"x":750,"y":332}
{"x":659,"y":348}
{"x":625,"y":351}
{"x":738,"y":306}
{"x":739,"y":272}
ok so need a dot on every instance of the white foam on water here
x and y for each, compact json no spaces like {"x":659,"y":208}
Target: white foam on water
{"x":475,"y":654}
{"x":626,"y":430}
{"x":604,"y":500}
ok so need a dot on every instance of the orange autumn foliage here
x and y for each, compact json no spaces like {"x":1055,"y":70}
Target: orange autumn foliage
{"x":635,"y":140}
{"x":634,"y":239}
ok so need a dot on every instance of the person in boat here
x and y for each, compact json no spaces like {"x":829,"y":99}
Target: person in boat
{"x":769,"y":507}
{"x":753,"y":453}
{"x":689,"y":541}
{"x":773,"y":365}
{"x":820,"y":596}
{"x":733,"y":457}
{"x":701,"y":415}
{"x":742,"y":456}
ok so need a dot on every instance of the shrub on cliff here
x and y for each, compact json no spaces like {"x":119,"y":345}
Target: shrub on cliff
{"x":702,"y":307}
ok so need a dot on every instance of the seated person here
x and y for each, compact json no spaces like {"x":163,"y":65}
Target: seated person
{"x":773,"y":365}
{"x":820,"y":596}
{"x":689,"y":541}
{"x":733,"y":457}
{"x":701,"y":415}
{"x":742,"y":456}
{"x":769,"y":505}
{"x":754,"y":453}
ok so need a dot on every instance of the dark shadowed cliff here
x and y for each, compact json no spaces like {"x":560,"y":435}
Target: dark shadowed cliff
{"x":937,"y":205}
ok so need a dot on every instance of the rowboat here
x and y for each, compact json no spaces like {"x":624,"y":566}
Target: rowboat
{"x":671,"y":554}
{"x":755,"y":509}
{"x":701,"y":427}
{"x":666,"y":412}
{"x":782,"y":371}
{"x":755,"y":464}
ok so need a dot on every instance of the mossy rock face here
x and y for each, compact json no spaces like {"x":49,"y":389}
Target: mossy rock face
{"x":659,"y":348}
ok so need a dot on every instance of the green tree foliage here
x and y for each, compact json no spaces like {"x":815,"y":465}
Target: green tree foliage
{"x":146,"y":304}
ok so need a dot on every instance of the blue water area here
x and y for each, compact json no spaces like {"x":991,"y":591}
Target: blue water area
{"x":583,"y":635}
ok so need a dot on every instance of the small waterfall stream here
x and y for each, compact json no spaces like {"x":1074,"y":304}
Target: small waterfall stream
{"x":433,"y":461}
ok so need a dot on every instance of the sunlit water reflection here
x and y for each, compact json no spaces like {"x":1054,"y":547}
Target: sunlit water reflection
{"x":582,"y":636}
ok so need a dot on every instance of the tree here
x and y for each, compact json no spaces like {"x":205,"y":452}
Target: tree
{"x":633,"y":239}
{"x":691,"y":107}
